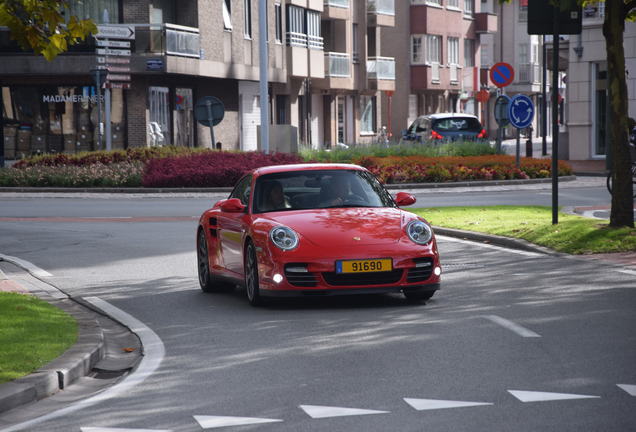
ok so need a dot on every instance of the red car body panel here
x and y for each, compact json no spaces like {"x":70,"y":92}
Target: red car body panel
{"x":325,"y":236}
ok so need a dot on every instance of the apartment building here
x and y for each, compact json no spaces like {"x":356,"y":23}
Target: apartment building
{"x":438,"y":43}
{"x":321,"y":90}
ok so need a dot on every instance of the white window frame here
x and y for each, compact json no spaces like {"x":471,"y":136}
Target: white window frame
{"x":247,"y":15}
{"x":278,"y":18}
{"x":453,"y":50}
{"x":367,"y":115}
{"x":313,"y":28}
{"x":433,"y":50}
{"x":452,"y":4}
{"x":227,"y":15}
{"x":469,"y":52}
{"x":469,"y":7}
{"x":417,"y":49}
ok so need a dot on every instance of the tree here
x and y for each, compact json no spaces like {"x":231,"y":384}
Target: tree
{"x":616,"y":13}
{"x":40,"y":25}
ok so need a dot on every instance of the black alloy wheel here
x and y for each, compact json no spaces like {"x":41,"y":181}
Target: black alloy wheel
{"x":203,"y":264}
{"x":251,"y":276}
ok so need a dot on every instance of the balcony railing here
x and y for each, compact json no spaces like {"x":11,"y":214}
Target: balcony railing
{"x":337,"y":3}
{"x":453,"y":73}
{"x":381,"y":68}
{"x":384,"y":7}
{"x":337,"y":65}
{"x":169,"y":39}
{"x":529,"y":73}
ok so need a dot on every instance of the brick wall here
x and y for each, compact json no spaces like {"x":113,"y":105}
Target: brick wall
{"x":136,"y":112}
{"x":136,"y":11}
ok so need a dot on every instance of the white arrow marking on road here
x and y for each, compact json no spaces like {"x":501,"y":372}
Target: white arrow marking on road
{"x":318,"y":411}
{"x":433,"y":404}
{"x":629,"y":388}
{"x":209,"y":422}
{"x":535,"y":396}
{"x":102,"y":429}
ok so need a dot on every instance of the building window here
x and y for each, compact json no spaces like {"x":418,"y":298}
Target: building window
{"x":279,"y":22}
{"x":452,"y":4}
{"x":469,"y":52}
{"x":313,"y":29}
{"x":227,"y":14}
{"x":453,"y":50}
{"x":296,"y":34}
{"x":417,"y":51}
{"x":248,"y":19}
{"x":434,"y":2}
{"x":469,"y":7}
{"x":355,"y":56}
{"x":367,"y":119}
{"x":433,"y":48}
{"x":100,"y":11}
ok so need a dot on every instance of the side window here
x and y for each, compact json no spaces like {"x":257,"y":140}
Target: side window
{"x":242,"y":190}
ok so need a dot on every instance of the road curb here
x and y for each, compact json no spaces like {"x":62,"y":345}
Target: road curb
{"x":56,"y":375}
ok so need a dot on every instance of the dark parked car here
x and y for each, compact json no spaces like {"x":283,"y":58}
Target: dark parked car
{"x":444,"y":127}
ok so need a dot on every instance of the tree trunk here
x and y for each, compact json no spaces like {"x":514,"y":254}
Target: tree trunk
{"x":622,"y":213}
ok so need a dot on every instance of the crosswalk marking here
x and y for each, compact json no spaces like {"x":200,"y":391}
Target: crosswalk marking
{"x":319,"y":411}
{"x":109,"y":429}
{"x":433,"y":404}
{"x":629,"y":388}
{"x":209,"y":422}
{"x":535,"y":396}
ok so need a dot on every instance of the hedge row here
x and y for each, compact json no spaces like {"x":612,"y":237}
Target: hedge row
{"x":121,"y":174}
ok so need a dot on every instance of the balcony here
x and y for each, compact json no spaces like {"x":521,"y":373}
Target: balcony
{"x":485,"y":22}
{"x":381,"y":73}
{"x":337,"y":65}
{"x":529,"y":73}
{"x":336,"y":9}
{"x":381,"y":13}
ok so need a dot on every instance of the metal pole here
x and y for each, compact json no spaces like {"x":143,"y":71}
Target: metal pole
{"x":517,"y":151}
{"x":555,"y":118}
{"x":263,"y":65}
{"x":107,"y":114}
{"x":499,"y":129}
{"x":208,"y":105}
{"x":544,"y":102}
{"x":99,"y":109}
{"x":2,"y":138}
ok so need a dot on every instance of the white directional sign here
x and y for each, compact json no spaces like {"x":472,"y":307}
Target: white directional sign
{"x":113,"y":60}
{"x":124,"y":69}
{"x":113,"y":52}
{"x":117,"y":77}
{"x":113,"y":43}
{"x":115,"y":32}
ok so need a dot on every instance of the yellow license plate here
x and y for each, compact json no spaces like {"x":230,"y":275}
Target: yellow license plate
{"x":364,"y":266}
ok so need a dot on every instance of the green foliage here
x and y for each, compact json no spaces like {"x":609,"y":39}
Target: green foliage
{"x":573,"y":234}
{"x":348,"y":155}
{"x":39,"y":25}
{"x":32,"y":333}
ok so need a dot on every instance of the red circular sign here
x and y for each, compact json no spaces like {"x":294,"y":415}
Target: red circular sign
{"x":483,"y":96}
{"x":502,"y":74}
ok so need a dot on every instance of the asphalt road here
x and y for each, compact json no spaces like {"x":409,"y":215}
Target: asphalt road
{"x":505,"y":323}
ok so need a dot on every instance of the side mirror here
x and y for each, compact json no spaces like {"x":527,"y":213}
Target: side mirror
{"x":232,"y":205}
{"x":404,"y":199}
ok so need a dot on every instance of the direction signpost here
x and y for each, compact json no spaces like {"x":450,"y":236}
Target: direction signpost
{"x":209,"y":111}
{"x":520,"y":114}
{"x":501,"y":75}
{"x":114,"y":48}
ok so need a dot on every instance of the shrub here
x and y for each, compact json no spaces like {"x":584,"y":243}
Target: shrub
{"x":120,"y":174}
{"x":210,"y":169}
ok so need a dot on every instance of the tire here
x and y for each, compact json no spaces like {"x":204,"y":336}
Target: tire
{"x":419,"y":295}
{"x":609,"y":180}
{"x":609,"y":183}
{"x":207,"y":281}
{"x":251,"y":276}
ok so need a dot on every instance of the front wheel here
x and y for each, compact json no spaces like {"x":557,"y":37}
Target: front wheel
{"x":206,"y":280}
{"x":251,"y":276}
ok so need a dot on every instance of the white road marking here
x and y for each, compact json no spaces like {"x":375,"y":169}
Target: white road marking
{"x":209,"y":422}
{"x":154,"y":352}
{"x":104,"y":429}
{"x":629,"y":388}
{"x":319,"y":411}
{"x":535,"y":396}
{"x":489,"y":246}
{"x":521,"y":331}
{"x":433,"y":404}
{"x":30,"y":267}
{"x":629,"y":272}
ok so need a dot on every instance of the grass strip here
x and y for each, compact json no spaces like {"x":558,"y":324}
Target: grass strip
{"x":573,"y":234}
{"x":32,"y":333}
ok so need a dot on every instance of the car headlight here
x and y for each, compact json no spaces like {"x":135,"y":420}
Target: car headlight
{"x":419,"y":232}
{"x":283,"y":237}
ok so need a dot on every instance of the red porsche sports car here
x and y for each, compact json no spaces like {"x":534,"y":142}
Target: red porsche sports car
{"x":316,"y":229}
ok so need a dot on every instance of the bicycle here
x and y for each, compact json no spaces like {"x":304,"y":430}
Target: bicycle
{"x":632,"y":144}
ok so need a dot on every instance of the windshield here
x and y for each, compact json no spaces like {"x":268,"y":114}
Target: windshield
{"x":315,"y":189}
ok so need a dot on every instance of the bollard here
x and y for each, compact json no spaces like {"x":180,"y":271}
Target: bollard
{"x":529,"y":148}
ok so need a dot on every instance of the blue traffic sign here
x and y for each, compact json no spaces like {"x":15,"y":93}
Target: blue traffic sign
{"x":520,"y":111}
{"x":502,"y":74}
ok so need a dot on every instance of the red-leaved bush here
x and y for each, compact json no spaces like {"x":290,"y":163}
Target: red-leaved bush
{"x":210,"y":169}
{"x":416,"y":169}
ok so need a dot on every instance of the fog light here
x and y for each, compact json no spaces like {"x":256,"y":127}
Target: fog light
{"x":278,"y":278}
{"x":437,"y":271}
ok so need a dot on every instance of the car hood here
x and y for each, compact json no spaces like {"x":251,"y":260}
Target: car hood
{"x":342,"y":227}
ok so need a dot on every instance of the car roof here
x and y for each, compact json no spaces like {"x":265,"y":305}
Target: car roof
{"x":305,"y":167}
{"x":437,"y":116}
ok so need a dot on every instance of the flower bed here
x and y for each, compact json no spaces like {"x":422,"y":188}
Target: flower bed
{"x":210,"y":169}
{"x":121,"y":174}
{"x":450,"y":169}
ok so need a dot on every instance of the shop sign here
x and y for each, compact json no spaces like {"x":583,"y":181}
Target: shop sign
{"x":58,"y":98}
